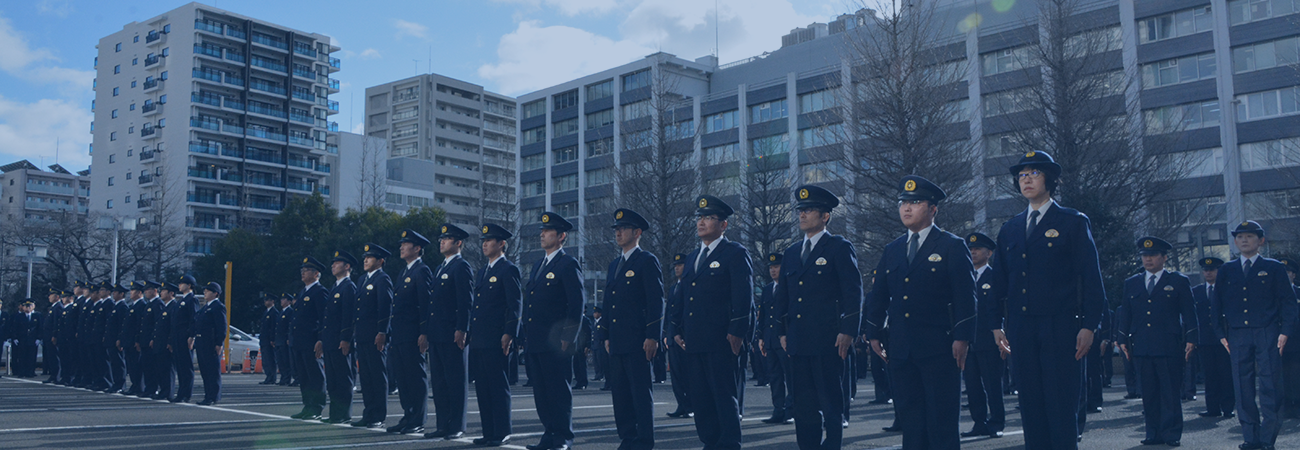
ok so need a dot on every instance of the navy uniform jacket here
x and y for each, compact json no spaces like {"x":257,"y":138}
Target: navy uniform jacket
{"x":1272,"y":300}
{"x":210,"y":325}
{"x":306,"y":326}
{"x":929,"y":303}
{"x":633,"y":308}
{"x":1054,"y":272}
{"x":411,"y":303}
{"x":24,"y":330}
{"x":184,"y":324}
{"x":767,"y":318}
{"x":116,"y":319}
{"x":554,"y":308}
{"x":86,"y":323}
{"x":131,"y":329}
{"x":984,"y":317}
{"x":715,"y":301}
{"x":374,"y":307}
{"x":497,"y":300}
{"x":282,"y":328}
{"x":336,"y":322}
{"x":161,"y":333}
{"x":1149,"y":324}
{"x":1205,"y":335}
{"x":67,"y":324}
{"x":150,"y":321}
{"x":453,"y":296}
{"x":50,"y":321}
{"x":820,"y":299}
{"x":103,"y":311}
{"x":266,"y":334}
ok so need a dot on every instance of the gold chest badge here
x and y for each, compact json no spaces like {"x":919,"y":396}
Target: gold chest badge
{"x":934,"y":257}
{"x":444,"y":276}
{"x":492,"y":280}
{"x":306,"y":299}
{"x":1169,"y":288}
{"x":986,"y":286}
{"x":629,"y":274}
{"x":1051,"y":233}
{"x":370,"y":287}
{"x":550,"y":275}
{"x":337,"y":295}
{"x":820,"y":261}
{"x":714,"y":265}
{"x":408,"y":279}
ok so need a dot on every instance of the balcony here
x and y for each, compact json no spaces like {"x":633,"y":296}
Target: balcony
{"x":208,"y":26}
{"x":269,"y":206}
{"x":155,"y":59}
{"x":334,"y":84}
{"x":202,"y":173}
{"x":265,"y":180}
{"x":149,"y":108}
{"x":147,"y":155}
{"x":298,"y":186}
{"x":212,"y":223}
{"x":259,"y":38}
{"x":143,"y":203}
{"x":205,"y":124}
{"x":152,"y":37}
{"x":336,"y":63}
{"x":334,"y":126}
{"x":304,"y":49}
{"x":207,"y":149}
{"x":214,"y":52}
{"x":234,"y":80}
{"x":494,"y":108}
{"x":323,"y":190}
{"x":266,"y":134}
{"x":212,"y":198}
{"x":50,"y":206}
{"x":232,"y":128}
{"x":324,"y":168}
{"x":268,"y":64}
{"x":231,"y":103}
{"x":150,"y":84}
{"x":147,"y":132}
{"x":144,"y":179}
{"x":261,"y":108}
{"x":266,"y":156}
{"x":333,"y":106}
{"x":236,"y":33}
{"x":210,"y":75}
{"x":300,"y":162}
{"x":301,"y":118}
{"x":267,"y":87}
{"x":211,"y":100}
{"x":235,"y":56}
{"x":304,"y":73}
{"x":33,"y":187}
{"x":304,"y":95}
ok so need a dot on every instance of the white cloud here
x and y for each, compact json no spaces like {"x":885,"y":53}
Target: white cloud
{"x":410,"y":29}
{"x":369,"y":53}
{"x":58,"y":9}
{"x":15,"y":53}
{"x":533,"y":56}
{"x":31,"y":130}
{"x":359,"y":128}
{"x":570,"y":7}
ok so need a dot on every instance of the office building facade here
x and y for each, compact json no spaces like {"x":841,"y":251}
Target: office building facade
{"x":35,"y":195}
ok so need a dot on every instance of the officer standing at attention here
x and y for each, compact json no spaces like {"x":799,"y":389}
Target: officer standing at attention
{"x":634,"y":297}
{"x":925,"y":288}
{"x":1215,"y":364}
{"x":284,"y":351}
{"x":1253,"y":309}
{"x":335,"y":344}
{"x":443,"y":335}
{"x":67,"y":338}
{"x":494,"y":323}
{"x":778,"y":361}
{"x":162,"y":345}
{"x":677,"y":356}
{"x":139,"y":358}
{"x":411,"y":300}
{"x":210,"y":328}
{"x":1291,"y":358}
{"x":374,"y":307}
{"x":984,"y":363}
{"x":1157,"y":330}
{"x":112,"y":335}
{"x":1049,"y":284}
{"x":49,"y":337}
{"x":305,"y":332}
{"x":25,"y":331}
{"x":710,"y":320}
{"x":159,"y":357}
{"x":266,"y":337}
{"x":184,"y":330}
{"x":551,"y":320}
{"x":818,"y":306}
{"x":103,"y":309}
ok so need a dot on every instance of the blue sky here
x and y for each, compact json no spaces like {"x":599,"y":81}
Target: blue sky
{"x":47,"y":48}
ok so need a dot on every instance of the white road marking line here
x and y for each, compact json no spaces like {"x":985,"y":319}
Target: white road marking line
{"x":131,"y":425}
{"x":534,"y":409}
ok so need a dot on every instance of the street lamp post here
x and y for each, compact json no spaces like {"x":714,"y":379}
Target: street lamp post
{"x":117,"y":224}
{"x":33,"y":252}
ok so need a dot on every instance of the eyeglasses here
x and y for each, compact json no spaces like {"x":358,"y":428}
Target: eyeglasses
{"x":1035,"y":174}
{"x":910,"y":202}
{"x":707,"y":218}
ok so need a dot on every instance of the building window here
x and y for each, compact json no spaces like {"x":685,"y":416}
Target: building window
{"x":722,"y":154}
{"x":636,"y":80}
{"x":566,"y":154}
{"x":135,"y":61}
{"x":1272,"y":204}
{"x":1264,"y":55}
{"x":132,"y":83}
{"x":723,"y":186}
{"x":679,"y":130}
{"x":636,"y":110}
{"x":763,"y":112}
{"x":117,"y":48}
{"x":1006,"y":102}
{"x":534,"y":135}
{"x":770,"y":145}
{"x":1181,"y":23}
{"x":112,"y":136}
{"x":534,"y":188}
{"x":1270,"y":154}
{"x":109,"y":204}
{"x":819,"y":136}
{"x":113,"y":114}
{"x":1001,"y":145}
{"x":600,"y":90}
{"x":600,"y":119}
{"x":720,"y":121}
{"x":135,"y":40}
{"x":1196,"y":163}
{"x":600,"y":176}
{"x":1261,"y":105}
{"x":1005,"y":60}
{"x":1243,"y":11}
{"x":567,"y":209}
{"x":566,"y":127}
{"x":816,"y":101}
{"x":534,"y":108}
{"x":600,"y":147}
{"x":566,"y":100}
{"x":821,"y":172}
{"x":531,"y":162}
{"x":115,"y":92}
{"x":117,"y":69}
{"x":110,"y":181}
{"x":1180,"y":70}
{"x":564,"y":183}
{"x":1182,"y":117}
{"x":130,"y":130}
{"x":127,"y":199}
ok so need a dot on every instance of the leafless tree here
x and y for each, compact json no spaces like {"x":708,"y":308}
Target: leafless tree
{"x":372,"y":174}
{"x":157,"y":246}
{"x":768,"y":225}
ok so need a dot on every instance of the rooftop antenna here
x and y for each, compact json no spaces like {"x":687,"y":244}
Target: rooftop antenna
{"x":717,"y":47}
{"x":56,"y":150}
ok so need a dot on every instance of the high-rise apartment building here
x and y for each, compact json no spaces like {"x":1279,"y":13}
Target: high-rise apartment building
{"x":31,"y":194}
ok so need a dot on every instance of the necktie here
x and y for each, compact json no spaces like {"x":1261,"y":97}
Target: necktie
{"x":1247,"y":271}
{"x":1209,"y":293}
{"x":912,"y":245}
{"x":704,"y":254}
{"x":807,"y":249}
{"x":1033,"y":222}
{"x":1151,"y":283}
{"x":621,"y":261}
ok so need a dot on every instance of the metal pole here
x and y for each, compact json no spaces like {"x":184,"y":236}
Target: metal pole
{"x":114,"y":255}
{"x":30,"y":259}
{"x":229,"y":267}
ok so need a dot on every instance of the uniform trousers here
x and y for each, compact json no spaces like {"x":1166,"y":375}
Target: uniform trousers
{"x":374,"y":382}
{"x":1048,"y":378}
{"x":162,"y":371}
{"x":629,"y":380}
{"x":311,"y":378}
{"x":493,"y":390}
{"x":267,"y":353}
{"x":209,"y":369}
{"x":448,"y":378}
{"x":50,"y":360}
{"x":1161,"y":391}
{"x":927,"y":400}
{"x":553,"y":396}
{"x":681,"y":382}
{"x":779,"y":366}
{"x":183,"y":364}
{"x":339,"y":381}
{"x":1255,"y":359}
{"x":1217,"y":366}
{"x":284,"y":359}
{"x":713,"y":394}
{"x":412,"y":382}
{"x":818,"y":401}
{"x":983,"y":376}
{"x":116,"y":365}
{"x":133,"y":368}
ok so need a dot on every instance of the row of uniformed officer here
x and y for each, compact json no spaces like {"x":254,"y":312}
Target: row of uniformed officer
{"x":210,"y":328}
{"x":304,"y":333}
{"x":335,"y":344}
{"x":494,"y":323}
{"x":551,"y":320}
{"x":1216,"y":366}
{"x":779,"y":365}
{"x":985,"y":364}
{"x":446,"y":319}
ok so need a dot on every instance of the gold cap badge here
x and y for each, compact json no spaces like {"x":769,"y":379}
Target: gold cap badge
{"x":618,"y":215}
{"x":771,"y":258}
{"x":444,"y":228}
{"x":704,"y":202}
{"x":1147,"y":243}
{"x":803,"y":194}
{"x":973,"y":238}
{"x":304,"y":260}
{"x":366,"y":248}
{"x":909,"y":186}
{"x":1030,"y":154}
{"x":546,"y":218}
{"x":485,"y":230}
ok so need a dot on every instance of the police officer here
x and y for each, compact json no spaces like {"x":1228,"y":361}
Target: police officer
{"x":494,"y":323}
{"x":1049,"y":285}
{"x":984,"y":363}
{"x":677,"y":356}
{"x":818,"y":307}
{"x":155,"y":358}
{"x":411,"y":300}
{"x":89,"y":361}
{"x":1253,"y":309}
{"x":103,"y":309}
{"x":112,"y":338}
{"x":335,"y":344}
{"x":210,"y":328}
{"x":25,"y":330}
{"x":49,"y":337}
{"x":266,"y":337}
{"x":586,"y":332}
{"x":1215,"y":363}
{"x":283,"y":351}
{"x":710,"y":320}
{"x":778,"y":361}
{"x":162,"y":346}
{"x":443,"y":334}
{"x":634,"y":297}
{"x":184,"y":328}
{"x":374,"y":306}
{"x":1291,"y":357}
{"x":1157,"y":329}
{"x":925,"y":288}
{"x":69,"y":354}
{"x":551,"y":319}
{"x":305,"y":332}
{"x":129,"y":339}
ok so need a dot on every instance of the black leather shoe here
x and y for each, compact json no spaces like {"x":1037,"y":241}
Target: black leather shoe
{"x":1152,"y":442}
{"x":1132,"y":396}
{"x":1229,"y":415}
{"x":995,"y":434}
{"x":892,"y":429}
{"x":364,"y":424}
{"x":299,"y":415}
{"x":209,"y":403}
{"x":1174,"y":443}
{"x":396,"y":428}
{"x":973,"y":433}
{"x":1209,"y":414}
{"x":335,"y":421}
{"x":1093,"y":410}
{"x":537,"y":447}
{"x":492,"y":442}
{"x":436,"y":434}
{"x":412,"y":430}
{"x":880,"y":402}
{"x":1249,"y":446}
{"x":294,"y":384}
{"x":774,"y":420}
{"x":454,"y":435}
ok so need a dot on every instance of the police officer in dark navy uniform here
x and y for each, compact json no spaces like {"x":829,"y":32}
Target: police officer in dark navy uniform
{"x":444,"y":335}
{"x":1049,"y":285}
{"x":67,"y":335}
{"x":103,"y":309}
{"x":677,"y":356}
{"x":494,"y":323}
{"x":984,"y":363}
{"x":818,"y":307}
{"x":774,"y":355}
{"x":305,"y":332}
{"x":1253,"y":309}
{"x":1157,"y":328}
{"x":552,"y":314}
{"x":184,"y":328}
{"x":112,"y":338}
{"x":335,"y":344}
{"x":283,"y":351}
{"x":370,"y":331}
{"x":1216,"y":367}
{"x":710,"y":320}
{"x":128,"y":339}
{"x":25,"y":330}
{"x":49,"y":337}
{"x":162,"y":346}
{"x":210,"y":328}
{"x":925,"y":288}
{"x":1291,"y":357}
{"x":634,"y":297}
{"x":266,"y":337}
{"x":411,"y":300}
